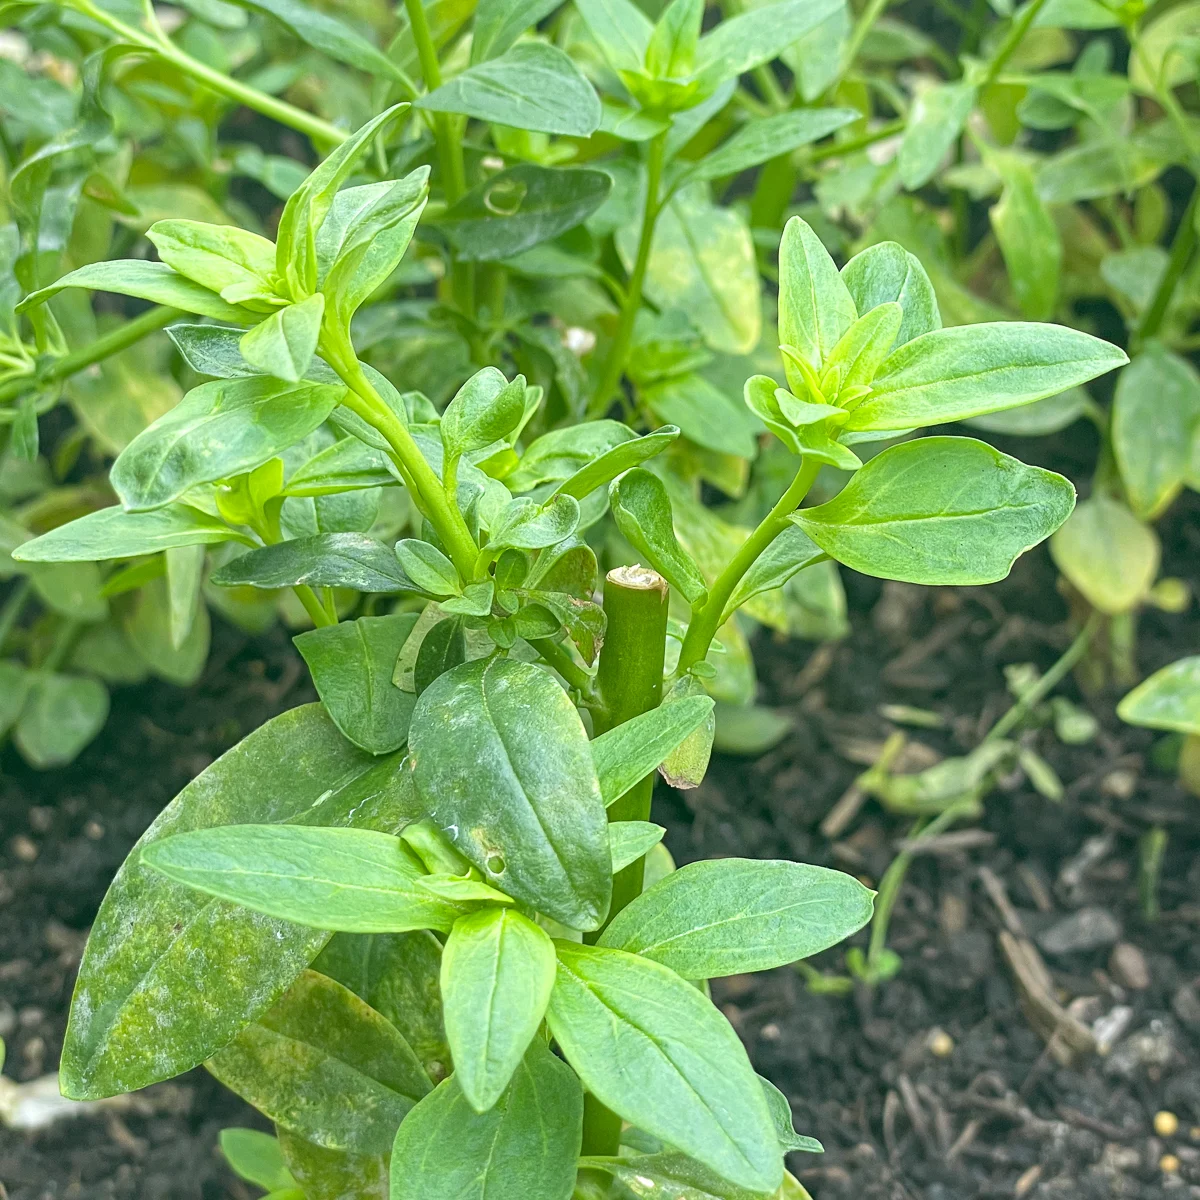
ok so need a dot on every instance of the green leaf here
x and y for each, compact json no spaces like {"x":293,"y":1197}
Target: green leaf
{"x":71,"y":589}
{"x":429,"y":569}
{"x":642,"y":511}
{"x":397,"y":975}
{"x":153,"y":281}
{"x":185,"y":578}
{"x":939,"y":511}
{"x":212,"y":350}
{"x":631,"y":840}
{"x":686,"y":765}
{"x":498,"y":24}
{"x":486,"y":408}
{"x":60,"y":716}
{"x":781,"y":1114}
{"x":326,"y":33}
{"x":672,"y":1176}
{"x":1169,"y":699}
{"x":728,"y":916}
{"x":352,"y":664}
{"x":749,"y":729}
{"x":969,"y":370}
{"x":671,"y":51}
{"x":216,"y":256}
{"x":345,"y":880}
{"x":1155,"y":427}
{"x":497,"y":972}
{"x":620,"y":29}
{"x":1162,"y":60}
{"x":333,"y":1174}
{"x":561,"y":453}
{"x":1028,"y":238}
{"x":1107,"y":554}
{"x":616,"y":461}
{"x":815,"y":305}
{"x":309,"y":205}
{"x":152,"y":629}
{"x":1039,"y":418}
{"x":348,"y":465}
{"x":349,"y":560}
{"x":532,"y":86}
{"x":864,"y":346}
{"x":144,"y":1007}
{"x":702,"y":261}
{"x":441,"y":649}
{"x":628,"y":753}
{"x":503,"y":764}
{"x":524,"y":1147}
{"x":524,"y":524}
{"x":655,"y":1051}
{"x":15,"y":682}
{"x":768,"y":137}
{"x":704,"y":414}
{"x":284,"y":344}
{"x":788,"y":554}
{"x":256,"y":1158}
{"x":936,"y":119}
{"x":114,"y":533}
{"x":218,"y":430}
{"x":886,"y":273}
{"x":739,"y":44}
{"x":522,"y":207}
{"x":326,"y":1067}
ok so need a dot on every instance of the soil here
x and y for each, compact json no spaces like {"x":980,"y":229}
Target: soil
{"x":934,"y":1085}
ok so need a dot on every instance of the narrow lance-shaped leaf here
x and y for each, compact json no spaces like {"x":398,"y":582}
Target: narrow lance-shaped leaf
{"x":815,"y":306}
{"x":614,"y":462}
{"x":767,"y":137}
{"x":727,"y":916}
{"x":348,"y":880}
{"x":497,"y":972}
{"x":655,"y":1051}
{"x":631,"y":840}
{"x":349,"y":560}
{"x":939,"y":511}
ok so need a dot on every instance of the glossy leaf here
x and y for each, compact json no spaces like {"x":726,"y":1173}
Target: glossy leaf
{"x":522,"y":207}
{"x":153,"y":281}
{"x":728,"y":916}
{"x":429,"y":569}
{"x":631,"y":840}
{"x":441,"y":649}
{"x":352,"y":664}
{"x":533,"y":86}
{"x":213,"y":350}
{"x":1169,"y":699}
{"x":218,"y":430}
{"x":216,"y":256}
{"x":628,"y":753}
{"x":969,"y":370}
{"x":768,"y":137}
{"x":935,"y":121}
{"x":642,"y":511}
{"x":112,"y":533}
{"x":144,"y":1008}
{"x":503,"y":765}
{"x":655,"y":1051}
{"x":326,"y":1067}
{"x":1155,"y":428}
{"x":686,"y":765}
{"x":611,"y":463}
{"x":1110,"y":556}
{"x":525,"y":1146}
{"x":526,"y":525}
{"x":485,"y":409}
{"x":333,"y":1174}
{"x":788,"y":554}
{"x":350,"y":560}
{"x":815,"y":305}
{"x":345,"y":880}
{"x":284,"y":344}
{"x":939,"y":510}
{"x":497,"y":972}
{"x":887,"y":273}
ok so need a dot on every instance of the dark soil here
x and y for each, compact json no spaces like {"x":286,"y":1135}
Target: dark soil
{"x":996,"y":1114}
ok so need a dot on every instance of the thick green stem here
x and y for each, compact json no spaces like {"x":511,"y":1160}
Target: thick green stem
{"x":557,"y":657}
{"x":1048,"y":682}
{"x":321,"y":132}
{"x":629,"y":680}
{"x":1181,"y":255}
{"x":103,"y":347}
{"x":618,"y":351}
{"x":705,"y":622}
{"x":427,"y":489}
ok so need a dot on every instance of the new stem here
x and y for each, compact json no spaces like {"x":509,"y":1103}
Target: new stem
{"x":629,"y":680}
{"x":618,"y":351}
{"x":103,"y":347}
{"x":326,"y":136}
{"x":707,"y":620}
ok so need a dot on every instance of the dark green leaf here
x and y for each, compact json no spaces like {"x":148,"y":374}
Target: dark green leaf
{"x":612,"y":463}
{"x":498,"y":24}
{"x":350,"y":560}
{"x":442,"y":648}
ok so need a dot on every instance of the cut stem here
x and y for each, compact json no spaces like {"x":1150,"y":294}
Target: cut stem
{"x":707,"y":620}
{"x":629,"y":680}
{"x":618,"y":351}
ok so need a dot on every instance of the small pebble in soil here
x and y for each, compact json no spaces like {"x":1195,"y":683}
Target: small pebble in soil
{"x":41,"y":818}
{"x":1168,"y":1164}
{"x":1088,"y":929}
{"x":23,"y":848}
{"x":1166,"y":1124}
{"x":941,"y":1044}
{"x":1128,"y":967}
{"x":93,"y":831}
{"x":1186,"y":1006}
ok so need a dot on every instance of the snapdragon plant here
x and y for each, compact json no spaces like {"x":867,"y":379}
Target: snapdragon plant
{"x":426,"y":925}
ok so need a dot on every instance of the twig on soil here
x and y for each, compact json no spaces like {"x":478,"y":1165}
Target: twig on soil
{"x":946,"y":843}
{"x":998,"y":895}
